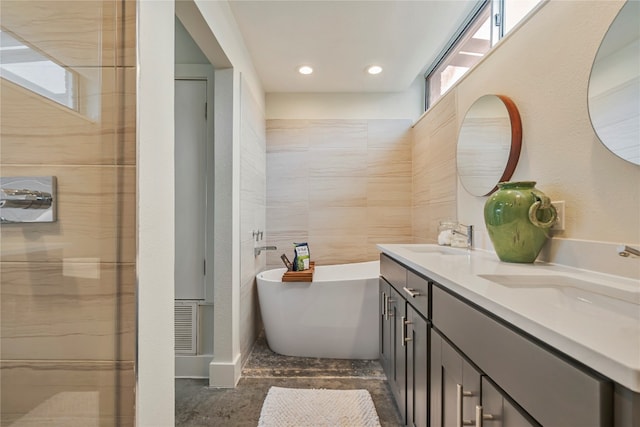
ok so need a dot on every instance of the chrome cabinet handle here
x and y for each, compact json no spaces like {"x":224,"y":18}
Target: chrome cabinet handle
{"x":481,"y":417}
{"x":384,"y":304}
{"x":412,"y":292}
{"x":389,"y":301}
{"x":405,"y":338}
{"x":460,"y":393}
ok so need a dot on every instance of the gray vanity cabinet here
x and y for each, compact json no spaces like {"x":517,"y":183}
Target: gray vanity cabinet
{"x":397,"y":374}
{"x":404,"y":339}
{"x":551,"y":389}
{"x":461,"y":394}
{"x":455,"y":386}
{"x":392,"y":344}
{"x":417,"y":347}
{"x":451,"y":363}
{"x":385,"y":326}
{"x":496,"y":410}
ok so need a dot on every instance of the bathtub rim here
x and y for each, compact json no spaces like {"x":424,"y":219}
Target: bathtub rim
{"x":274,"y":275}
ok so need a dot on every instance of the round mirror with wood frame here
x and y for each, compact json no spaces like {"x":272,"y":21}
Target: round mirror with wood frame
{"x":489,"y":144}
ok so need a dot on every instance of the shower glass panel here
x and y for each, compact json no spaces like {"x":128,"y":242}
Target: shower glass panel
{"x":67,"y":287}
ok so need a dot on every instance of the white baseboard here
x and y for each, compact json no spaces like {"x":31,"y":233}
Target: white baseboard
{"x":225,"y":374}
{"x":193,"y":366}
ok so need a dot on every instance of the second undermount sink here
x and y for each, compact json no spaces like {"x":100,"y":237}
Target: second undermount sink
{"x":436,"y":249}
{"x":572,"y":290}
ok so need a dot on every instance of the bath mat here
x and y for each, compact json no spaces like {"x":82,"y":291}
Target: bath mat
{"x":293,"y":407}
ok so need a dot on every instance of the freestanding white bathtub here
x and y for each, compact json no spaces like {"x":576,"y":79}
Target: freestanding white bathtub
{"x":335,"y":316}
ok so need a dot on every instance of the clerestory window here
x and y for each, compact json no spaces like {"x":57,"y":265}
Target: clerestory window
{"x":484,"y":27}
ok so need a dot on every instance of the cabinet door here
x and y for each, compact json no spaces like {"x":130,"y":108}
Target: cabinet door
{"x":385,"y":326}
{"x":455,"y":386}
{"x":397,"y":379}
{"x":552,"y":389}
{"x":416,"y":338}
{"x":498,"y":411}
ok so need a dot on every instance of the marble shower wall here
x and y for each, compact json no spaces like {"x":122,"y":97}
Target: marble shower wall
{"x":68,"y":288}
{"x":340,"y":185}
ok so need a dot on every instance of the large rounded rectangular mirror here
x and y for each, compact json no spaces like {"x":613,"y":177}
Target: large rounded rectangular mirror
{"x":614,"y":85}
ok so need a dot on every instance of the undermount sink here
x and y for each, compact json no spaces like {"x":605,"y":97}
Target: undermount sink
{"x":571,"y":290}
{"x":435,"y":249}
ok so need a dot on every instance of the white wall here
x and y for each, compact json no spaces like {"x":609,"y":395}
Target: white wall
{"x":186,"y":50}
{"x":544,"y":68}
{"x":156,"y":19}
{"x":155,"y":399}
{"x":248,"y":121}
{"x":344,"y":106}
{"x":222,"y":23}
{"x":546,"y":73}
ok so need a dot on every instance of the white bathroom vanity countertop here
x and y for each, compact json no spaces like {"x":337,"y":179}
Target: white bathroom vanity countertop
{"x":589,"y":316}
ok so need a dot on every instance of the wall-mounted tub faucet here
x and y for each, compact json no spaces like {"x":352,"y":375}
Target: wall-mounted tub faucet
{"x":257,"y":251}
{"x":625,"y":251}
{"x":25,"y":199}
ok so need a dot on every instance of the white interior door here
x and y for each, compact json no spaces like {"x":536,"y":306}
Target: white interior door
{"x":191,"y":187}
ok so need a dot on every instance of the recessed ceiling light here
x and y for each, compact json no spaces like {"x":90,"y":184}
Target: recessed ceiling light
{"x":305,"y":69}
{"x":374,"y":69}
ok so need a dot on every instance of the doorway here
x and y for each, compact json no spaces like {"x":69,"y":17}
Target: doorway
{"x":190,"y":187}
{"x":194,"y":195}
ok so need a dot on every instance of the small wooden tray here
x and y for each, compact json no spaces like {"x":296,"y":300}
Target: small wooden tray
{"x":300,"y":276}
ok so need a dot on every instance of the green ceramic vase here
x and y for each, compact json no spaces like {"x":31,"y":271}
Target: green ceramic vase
{"x":518,"y":218}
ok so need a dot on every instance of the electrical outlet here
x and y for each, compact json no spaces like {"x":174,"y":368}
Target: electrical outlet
{"x":559,"y":224}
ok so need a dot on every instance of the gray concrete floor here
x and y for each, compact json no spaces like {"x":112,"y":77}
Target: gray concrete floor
{"x":199,"y":405}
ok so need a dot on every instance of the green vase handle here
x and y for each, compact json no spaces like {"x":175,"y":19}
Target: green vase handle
{"x":542,"y":202}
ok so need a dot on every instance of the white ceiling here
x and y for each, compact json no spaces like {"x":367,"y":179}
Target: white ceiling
{"x":341,"y":38}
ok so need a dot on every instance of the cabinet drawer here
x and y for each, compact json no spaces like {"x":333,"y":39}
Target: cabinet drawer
{"x":417,"y":293}
{"x":552,"y":390}
{"x":393,"y":272}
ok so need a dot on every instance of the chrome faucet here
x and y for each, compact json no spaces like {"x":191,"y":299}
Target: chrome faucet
{"x":258,"y":250}
{"x":468,"y":234}
{"x":625,"y":251}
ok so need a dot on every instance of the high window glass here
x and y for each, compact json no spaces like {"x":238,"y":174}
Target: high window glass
{"x":32,"y":70}
{"x":514,"y":11}
{"x":488,"y":23}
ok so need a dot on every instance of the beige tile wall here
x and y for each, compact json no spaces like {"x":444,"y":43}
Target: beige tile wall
{"x":434,"y":169}
{"x":340,"y":185}
{"x":68,"y":288}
